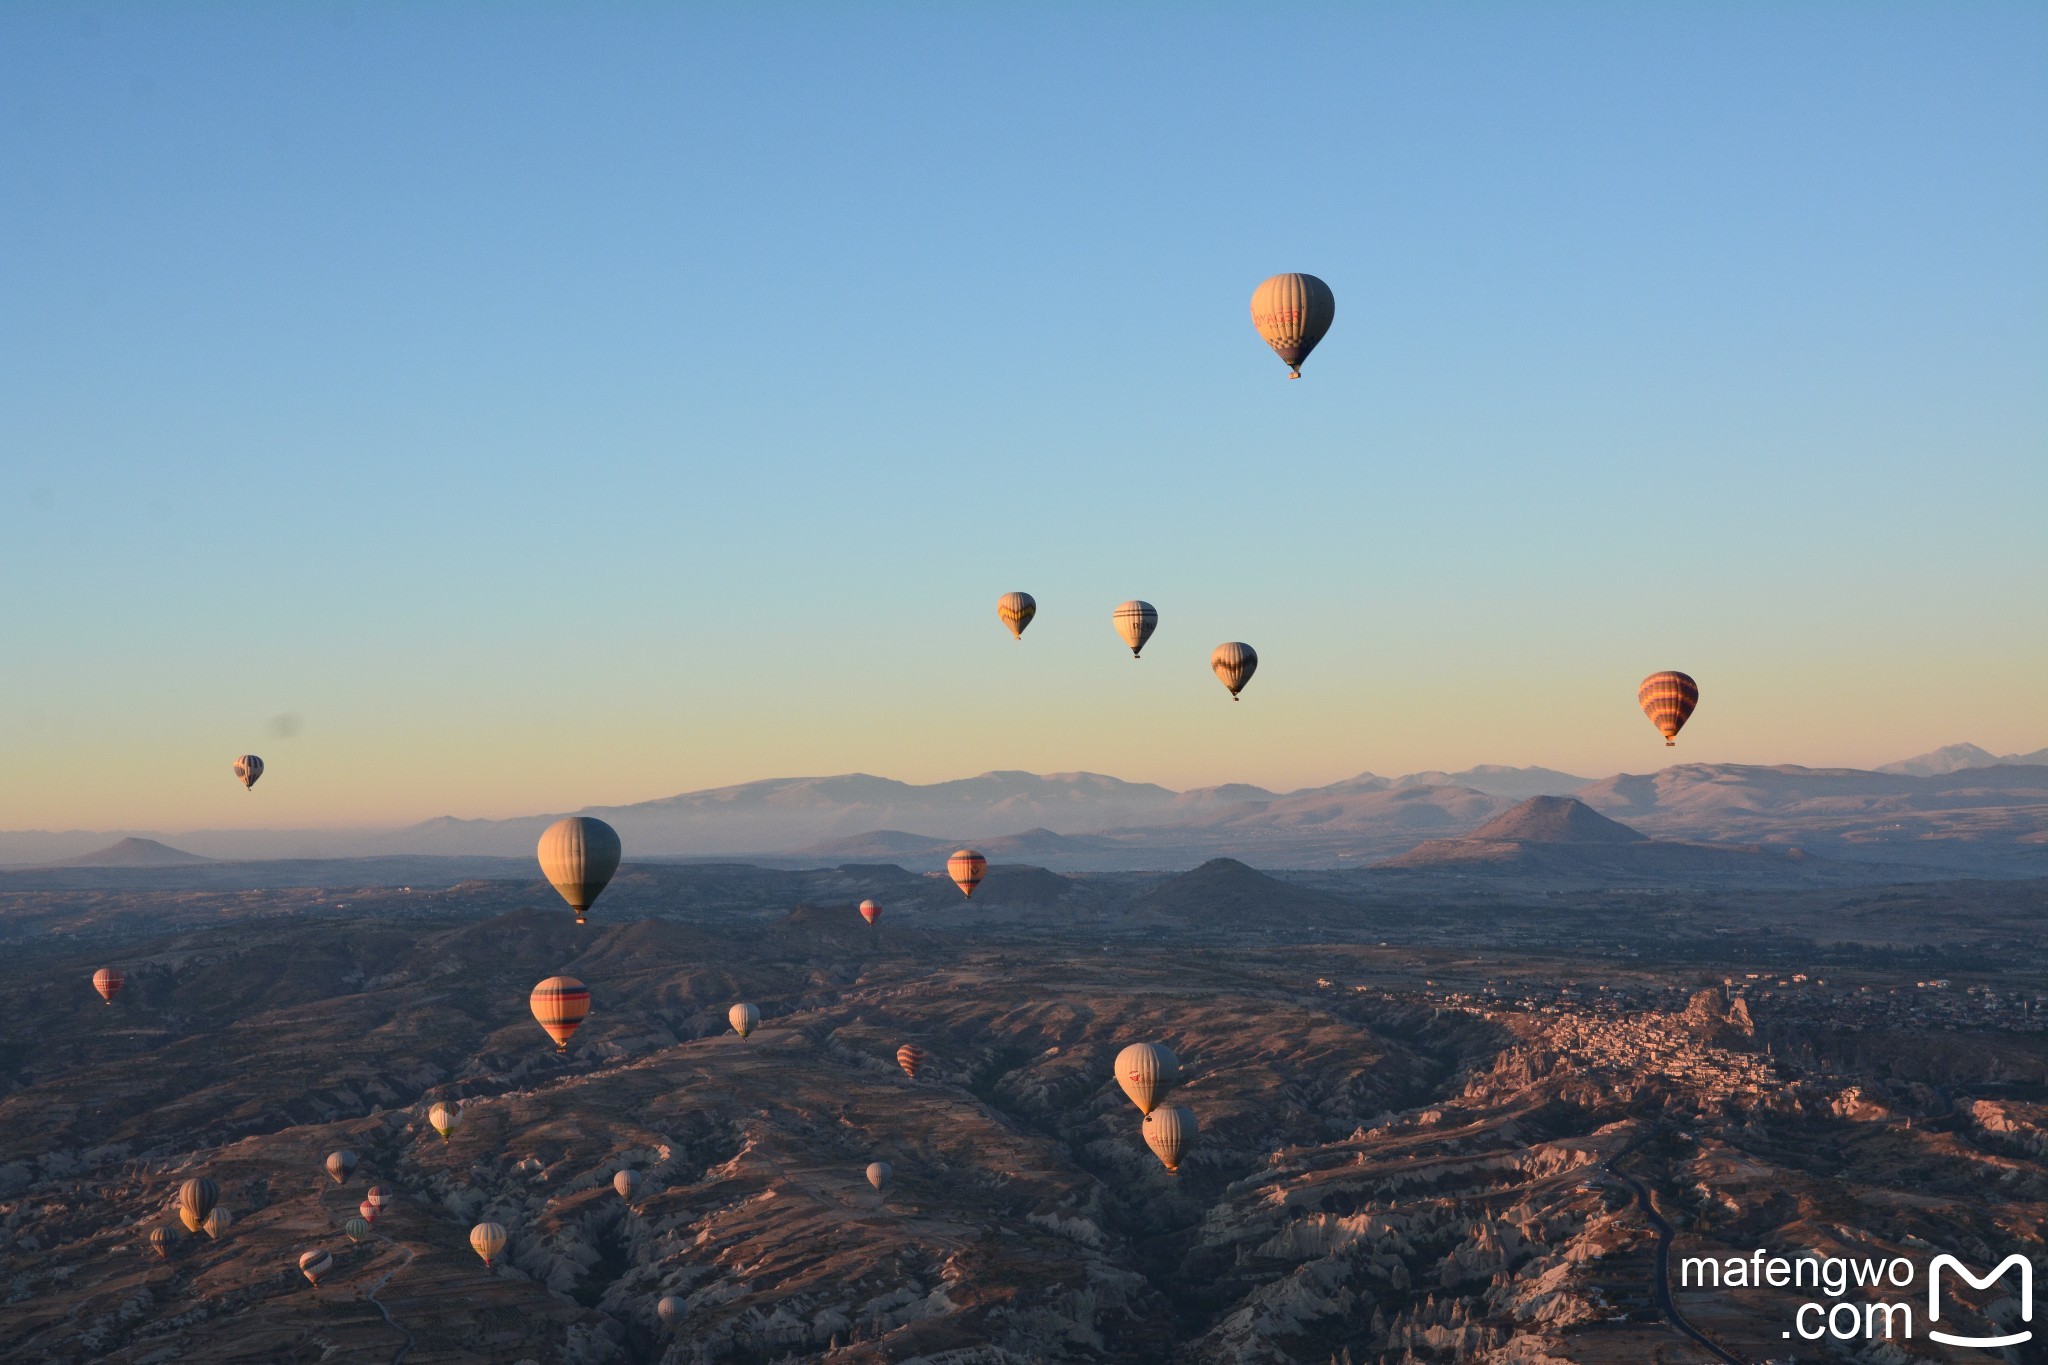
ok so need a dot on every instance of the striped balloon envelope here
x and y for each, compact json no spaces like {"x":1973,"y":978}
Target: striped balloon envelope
{"x":870,"y":910}
{"x":1668,"y":699}
{"x":1233,"y":664}
{"x":1169,"y":1132}
{"x":744,"y":1018}
{"x":1015,"y":610}
{"x":248,"y":768}
{"x":560,"y":1003}
{"x":1146,"y":1071}
{"x":1135,"y":621}
{"x":966,"y":868}
{"x":380,"y":1197}
{"x":196,"y":1198}
{"x":911,"y":1058}
{"x":341,"y":1165}
{"x":356,"y":1228}
{"x":164,"y":1240}
{"x":314,"y":1264}
{"x":108,"y":981}
{"x":487,"y":1240}
{"x":1293,"y":313}
{"x":369,"y":1211}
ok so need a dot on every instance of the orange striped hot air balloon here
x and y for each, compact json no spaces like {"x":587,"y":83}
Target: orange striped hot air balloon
{"x":108,"y":981}
{"x":1015,"y":610}
{"x":966,"y":868}
{"x":911,"y":1058}
{"x":560,"y":1003}
{"x":248,"y":768}
{"x":1293,"y":313}
{"x":870,"y":910}
{"x":1668,"y":699}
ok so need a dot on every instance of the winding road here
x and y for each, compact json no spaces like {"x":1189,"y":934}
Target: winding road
{"x":1664,"y":1233}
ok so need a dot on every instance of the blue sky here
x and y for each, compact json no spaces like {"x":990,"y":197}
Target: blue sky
{"x":557,"y":404}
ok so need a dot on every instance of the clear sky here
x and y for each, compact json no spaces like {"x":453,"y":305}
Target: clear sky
{"x":490,"y":409}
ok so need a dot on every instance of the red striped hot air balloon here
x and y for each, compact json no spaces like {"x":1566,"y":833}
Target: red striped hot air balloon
{"x":108,"y":981}
{"x":1668,"y":699}
{"x":911,"y":1058}
{"x":967,"y":868}
{"x":870,"y":910}
{"x":560,"y":1003}
{"x":371,"y":1213}
{"x":380,"y":1197}
{"x":1293,"y":313}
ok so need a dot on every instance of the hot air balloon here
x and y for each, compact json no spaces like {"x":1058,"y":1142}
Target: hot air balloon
{"x":108,"y":981}
{"x":164,"y":1240}
{"x":1146,"y":1071}
{"x":1135,"y":621}
{"x":1234,"y":663}
{"x":744,"y":1019}
{"x":627,"y":1183}
{"x":356,"y":1228}
{"x":966,"y":868}
{"x":1668,"y":699}
{"x":1169,"y":1132}
{"x":1292,"y":313}
{"x":314,"y":1264}
{"x":248,"y":768}
{"x":487,"y":1239}
{"x":561,"y":1004}
{"x":911,"y":1058}
{"x":671,"y":1310}
{"x":879,"y":1173}
{"x":1015,"y":610}
{"x":579,"y":855}
{"x":218,"y":1222}
{"x":380,"y":1197}
{"x":369,"y":1211}
{"x":341,"y":1165}
{"x":446,"y":1118}
{"x":870,"y":910}
{"x":196,"y":1198}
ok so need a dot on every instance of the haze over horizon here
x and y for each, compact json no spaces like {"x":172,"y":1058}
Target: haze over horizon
{"x":463,"y":458}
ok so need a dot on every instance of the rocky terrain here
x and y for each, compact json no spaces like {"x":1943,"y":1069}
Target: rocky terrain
{"x":1434,"y":1126}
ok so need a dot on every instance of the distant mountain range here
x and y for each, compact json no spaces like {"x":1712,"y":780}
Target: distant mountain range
{"x":1956,"y":757}
{"x":1968,"y":812}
